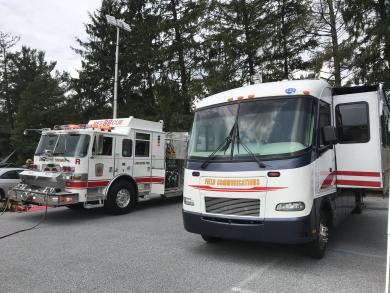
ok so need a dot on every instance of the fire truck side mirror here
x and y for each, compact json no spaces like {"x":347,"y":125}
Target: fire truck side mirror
{"x":329,"y":134}
{"x":98,"y":144}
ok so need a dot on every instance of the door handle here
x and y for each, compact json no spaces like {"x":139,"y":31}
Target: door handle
{"x":110,"y":169}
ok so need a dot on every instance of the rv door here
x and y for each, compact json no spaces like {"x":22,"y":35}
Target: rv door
{"x":358,"y":147}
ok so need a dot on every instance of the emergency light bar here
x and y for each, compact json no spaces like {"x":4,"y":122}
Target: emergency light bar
{"x":82,"y":126}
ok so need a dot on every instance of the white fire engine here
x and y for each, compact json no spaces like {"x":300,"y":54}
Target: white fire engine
{"x":284,"y":161}
{"x":111,"y":163}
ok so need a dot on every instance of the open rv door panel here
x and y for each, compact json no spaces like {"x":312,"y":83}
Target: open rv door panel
{"x":358,"y":150}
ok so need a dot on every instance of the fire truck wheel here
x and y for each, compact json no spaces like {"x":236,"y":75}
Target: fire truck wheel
{"x":121,"y":198}
{"x":210,"y":239}
{"x":317,"y":248}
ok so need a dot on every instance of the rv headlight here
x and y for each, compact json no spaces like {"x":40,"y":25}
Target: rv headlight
{"x":188,"y":201}
{"x":290,"y":206}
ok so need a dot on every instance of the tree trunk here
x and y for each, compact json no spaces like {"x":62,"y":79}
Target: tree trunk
{"x":182,"y":66}
{"x":249,"y":45}
{"x":284,"y":42}
{"x":5,"y":90}
{"x":382,"y":10}
{"x":335,"y":45}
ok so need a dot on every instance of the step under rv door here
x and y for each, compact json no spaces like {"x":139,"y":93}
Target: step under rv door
{"x":358,"y":151}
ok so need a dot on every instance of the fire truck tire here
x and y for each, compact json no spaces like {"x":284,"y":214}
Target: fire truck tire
{"x":210,"y":239}
{"x":317,"y":248}
{"x":121,"y":198}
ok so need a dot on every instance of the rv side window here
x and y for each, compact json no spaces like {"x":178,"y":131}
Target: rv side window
{"x":127,"y":148}
{"x":352,"y":122}
{"x":142,"y":144}
{"x":324,"y":119}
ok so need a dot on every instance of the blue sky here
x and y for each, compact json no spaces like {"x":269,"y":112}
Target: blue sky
{"x":49,"y":25}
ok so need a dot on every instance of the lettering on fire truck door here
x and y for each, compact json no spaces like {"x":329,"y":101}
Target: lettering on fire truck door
{"x":142,"y":168}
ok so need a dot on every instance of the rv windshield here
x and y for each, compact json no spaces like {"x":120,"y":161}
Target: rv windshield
{"x":66,"y":145}
{"x":267,"y":127}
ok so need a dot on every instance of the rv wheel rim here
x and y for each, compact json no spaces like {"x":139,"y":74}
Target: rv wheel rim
{"x":323,"y":234}
{"x":123,"y":198}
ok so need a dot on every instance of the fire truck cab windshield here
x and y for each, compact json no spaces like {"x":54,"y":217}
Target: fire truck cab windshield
{"x":64,"y":144}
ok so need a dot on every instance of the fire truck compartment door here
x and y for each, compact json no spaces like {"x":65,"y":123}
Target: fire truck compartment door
{"x":142,"y":168}
{"x":358,"y":153}
{"x":158,"y":163}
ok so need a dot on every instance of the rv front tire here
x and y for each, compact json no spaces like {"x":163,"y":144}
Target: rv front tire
{"x":317,"y":248}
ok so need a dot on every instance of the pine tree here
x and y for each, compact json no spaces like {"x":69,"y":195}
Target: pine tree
{"x":369,"y":29}
{"x":288,"y":41}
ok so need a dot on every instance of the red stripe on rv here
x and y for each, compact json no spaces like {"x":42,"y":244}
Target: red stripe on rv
{"x":253,"y":189}
{"x":359,"y":183}
{"x":358,"y":173}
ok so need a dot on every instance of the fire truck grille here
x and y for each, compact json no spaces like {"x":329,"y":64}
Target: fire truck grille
{"x":233,"y":206}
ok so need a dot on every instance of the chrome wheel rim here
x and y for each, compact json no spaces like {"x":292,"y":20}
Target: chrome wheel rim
{"x":123,"y":198}
{"x":323,"y":234}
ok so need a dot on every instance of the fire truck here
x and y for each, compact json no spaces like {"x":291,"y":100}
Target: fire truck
{"x":111,"y":162}
{"x":284,"y":162}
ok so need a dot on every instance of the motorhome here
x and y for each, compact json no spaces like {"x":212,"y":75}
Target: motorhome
{"x":284,"y":162}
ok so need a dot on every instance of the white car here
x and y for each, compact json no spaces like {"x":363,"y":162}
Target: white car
{"x":9,"y":177}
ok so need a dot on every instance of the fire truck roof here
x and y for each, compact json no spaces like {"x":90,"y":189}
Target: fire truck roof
{"x":269,"y":89}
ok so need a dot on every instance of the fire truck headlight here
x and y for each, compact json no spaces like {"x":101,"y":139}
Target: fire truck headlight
{"x":291,"y":206}
{"x":188,"y":201}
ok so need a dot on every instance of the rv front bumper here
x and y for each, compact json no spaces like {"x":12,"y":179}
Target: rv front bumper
{"x":42,"y":196}
{"x":290,"y":230}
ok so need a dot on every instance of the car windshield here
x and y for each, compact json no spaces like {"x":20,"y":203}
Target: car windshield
{"x":67,"y":145}
{"x":267,"y":127}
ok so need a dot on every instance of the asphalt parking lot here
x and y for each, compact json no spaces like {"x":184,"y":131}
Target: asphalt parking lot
{"x":149,"y":251}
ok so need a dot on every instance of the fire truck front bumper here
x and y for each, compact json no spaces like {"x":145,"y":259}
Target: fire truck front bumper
{"x":43,"y":196}
{"x":289,"y":231}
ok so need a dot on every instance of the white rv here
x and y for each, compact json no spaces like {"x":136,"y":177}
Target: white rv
{"x":284,"y":162}
{"x":110,"y":162}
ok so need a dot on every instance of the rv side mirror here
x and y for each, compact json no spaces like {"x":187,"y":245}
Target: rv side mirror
{"x":329,"y":134}
{"x":98,"y":144}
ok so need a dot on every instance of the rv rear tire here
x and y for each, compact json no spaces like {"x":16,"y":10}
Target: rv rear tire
{"x":121,"y":198}
{"x":358,"y":203}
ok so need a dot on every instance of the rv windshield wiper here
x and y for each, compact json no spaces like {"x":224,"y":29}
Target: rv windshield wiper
{"x":223,"y":146}
{"x":237,"y":137}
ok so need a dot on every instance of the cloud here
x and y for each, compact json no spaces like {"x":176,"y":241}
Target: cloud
{"x":50,"y":26}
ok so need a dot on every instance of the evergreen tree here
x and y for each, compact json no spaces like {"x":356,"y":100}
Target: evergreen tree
{"x":288,"y":41}
{"x":335,"y":51}
{"x":39,"y":99}
{"x":369,"y":29}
